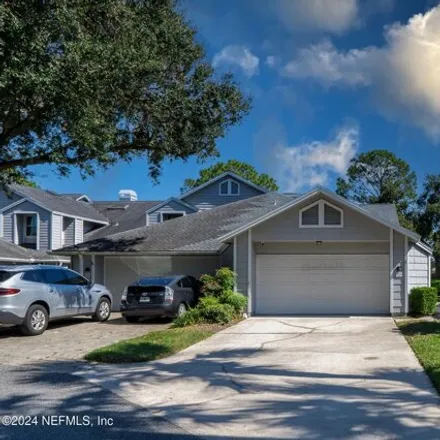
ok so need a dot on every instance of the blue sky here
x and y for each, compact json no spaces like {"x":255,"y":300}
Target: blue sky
{"x":328,"y":78}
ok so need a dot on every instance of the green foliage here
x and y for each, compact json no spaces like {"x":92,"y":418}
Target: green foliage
{"x":236,"y":300}
{"x":379,"y":176}
{"x":436,"y":285}
{"x":87,"y":84}
{"x":242,"y":169}
{"x":423,"y":300}
{"x":224,"y":279}
{"x":220,"y":303}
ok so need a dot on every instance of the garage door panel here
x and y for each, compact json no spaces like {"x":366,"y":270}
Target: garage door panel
{"x":322,"y":284}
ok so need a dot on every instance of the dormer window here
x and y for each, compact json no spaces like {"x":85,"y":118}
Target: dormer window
{"x":321,"y":215}
{"x":229,"y":188}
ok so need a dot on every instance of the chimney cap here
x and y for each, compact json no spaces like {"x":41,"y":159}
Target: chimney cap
{"x":127,"y":194}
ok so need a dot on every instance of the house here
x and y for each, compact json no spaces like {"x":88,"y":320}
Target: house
{"x":315,"y":253}
{"x":38,"y":221}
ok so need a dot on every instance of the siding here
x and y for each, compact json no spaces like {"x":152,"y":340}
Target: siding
{"x":69,"y":231}
{"x":285,"y":227}
{"x":56,"y":231}
{"x":172,"y":206}
{"x":242,"y":263}
{"x":121,"y":271}
{"x":418,"y":264}
{"x":208,"y":197}
{"x":398,"y":276}
{"x":44,"y":224}
{"x":79,"y":231}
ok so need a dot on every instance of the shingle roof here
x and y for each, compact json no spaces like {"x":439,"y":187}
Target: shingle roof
{"x":195,"y":233}
{"x":383,"y":211}
{"x":123,"y":216}
{"x":73,"y":196}
{"x":55,"y":202}
{"x":13,"y":253}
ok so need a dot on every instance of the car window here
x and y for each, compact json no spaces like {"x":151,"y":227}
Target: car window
{"x":186,"y":282}
{"x":5,"y":275}
{"x":35,"y":276}
{"x":76,"y":279}
{"x":55,"y":276}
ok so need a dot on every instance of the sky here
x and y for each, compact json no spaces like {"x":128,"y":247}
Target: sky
{"x":328,"y":79}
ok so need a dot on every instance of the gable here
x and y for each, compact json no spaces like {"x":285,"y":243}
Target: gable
{"x":210,"y":195}
{"x":287,"y":227}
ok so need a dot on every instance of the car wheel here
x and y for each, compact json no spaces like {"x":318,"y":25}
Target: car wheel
{"x":103,"y":310}
{"x":131,"y":319}
{"x":36,"y":321}
{"x":181,"y":310}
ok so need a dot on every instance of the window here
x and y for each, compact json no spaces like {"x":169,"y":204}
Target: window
{"x":170,"y":215}
{"x":5,"y":275}
{"x":36,"y":276}
{"x":73,"y":278}
{"x":229,"y":188}
{"x":321,"y":215}
{"x":64,"y":277}
{"x":185,"y":282}
{"x":31,"y":225}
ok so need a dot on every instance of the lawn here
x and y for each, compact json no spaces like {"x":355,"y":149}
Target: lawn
{"x":424,"y":339}
{"x":152,"y":346}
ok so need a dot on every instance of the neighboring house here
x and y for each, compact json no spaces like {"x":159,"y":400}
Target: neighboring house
{"x":317,"y":253}
{"x":42,"y":220}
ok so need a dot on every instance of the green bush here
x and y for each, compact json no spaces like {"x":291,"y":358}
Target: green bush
{"x":191,"y":317}
{"x":236,"y":300}
{"x":215,"y":285}
{"x":212,"y":311}
{"x":436,"y":284}
{"x":423,"y":300}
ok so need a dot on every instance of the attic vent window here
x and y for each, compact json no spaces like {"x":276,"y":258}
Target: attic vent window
{"x":321,"y":215}
{"x":229,"y":188}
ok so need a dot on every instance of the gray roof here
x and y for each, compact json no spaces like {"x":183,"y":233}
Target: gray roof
{"x":386,"y":212}
{"x":123,"y":216}
{"x":195,"y":233}
{"x":73,"y":196}
{"x":14,"y":253}
{"x":56,"y":202}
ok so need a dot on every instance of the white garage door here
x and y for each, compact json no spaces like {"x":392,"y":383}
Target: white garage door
{"x":322,"y":284}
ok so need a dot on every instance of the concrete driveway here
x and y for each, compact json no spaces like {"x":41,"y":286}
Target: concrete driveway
{"x":301,"y":378}
{"x":69,"y":339}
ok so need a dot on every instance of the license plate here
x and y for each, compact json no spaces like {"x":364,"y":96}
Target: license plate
{"x":144,"y":299}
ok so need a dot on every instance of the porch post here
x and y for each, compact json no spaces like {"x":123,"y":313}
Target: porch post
{"x":249,"y":274}
{"x":81,"y":264}
{"x":235,"y":262}
{"x":391,"y":268}
{"x":406,"y":276}
{"x":92,"y":273}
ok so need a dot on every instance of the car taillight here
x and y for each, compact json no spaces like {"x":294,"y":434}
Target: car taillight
{"x":169,"y":294}
{"x":5,"y":291}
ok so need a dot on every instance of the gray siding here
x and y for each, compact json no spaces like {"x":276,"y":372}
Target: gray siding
{"x":398,"y":276}
{"x":79,"y":231}
{"x":56,"y":231}
{"x":172,"y":206}
{"x":208,"y":197}
{"x":418,"y":264}
{"x":69,"y":231}
{"x":227,"y":258}
{"x":242,"y":263}
{"x":285,"y":227}
{"x":44,"y":223}
{"x":6,"y":200}
{"x":374,"y":248}
{"x":121,"y":271}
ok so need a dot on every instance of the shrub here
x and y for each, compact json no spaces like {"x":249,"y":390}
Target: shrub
{"x":191,"y":317}
{"x":215,"y":285}
{"x":236,"y":300}
{"x":213,"y":311}
{"x":436,"y":285}
{"x":423,"y":300}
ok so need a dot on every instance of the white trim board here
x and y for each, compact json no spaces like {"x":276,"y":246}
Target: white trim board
{"x":171,"y":199}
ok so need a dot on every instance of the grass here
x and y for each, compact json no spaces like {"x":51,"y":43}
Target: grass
{"x":424,"y":339}
{"x":152,"y":346}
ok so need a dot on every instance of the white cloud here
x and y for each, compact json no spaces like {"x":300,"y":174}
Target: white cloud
{"x":271,"y":61}
{"x":404,"y":74}
{"x":300,"y":167}
{"x":236,"y":55}
{"x":335,"y":16}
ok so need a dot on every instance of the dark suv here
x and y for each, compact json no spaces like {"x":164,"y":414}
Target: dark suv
{"x":166,"y":296}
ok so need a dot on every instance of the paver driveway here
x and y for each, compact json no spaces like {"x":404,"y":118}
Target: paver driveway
{"x":68,"y":339}
{"x":305,"y":378}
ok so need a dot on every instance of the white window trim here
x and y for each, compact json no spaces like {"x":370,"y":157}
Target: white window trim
{"x":321,"y":224}
{"x":37,"y":214}
{"x":228,"y":194}
{"x":170,"y":212}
